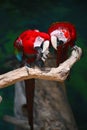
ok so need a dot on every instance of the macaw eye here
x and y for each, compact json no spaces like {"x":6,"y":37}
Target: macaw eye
{"x":38,"y":41}
{"x":61,"y":34}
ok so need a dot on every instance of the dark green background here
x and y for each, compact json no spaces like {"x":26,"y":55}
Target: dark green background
{"x":17,"y":16}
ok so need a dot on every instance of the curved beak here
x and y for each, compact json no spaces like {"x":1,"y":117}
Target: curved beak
{"x":54,"y":42}
{"x":45,"y":46}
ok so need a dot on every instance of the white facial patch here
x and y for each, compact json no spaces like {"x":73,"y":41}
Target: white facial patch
{"x":38,"y":41}
{"x":60,"y":35}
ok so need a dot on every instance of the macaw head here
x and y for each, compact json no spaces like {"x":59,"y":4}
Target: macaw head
{"x":62,"y":33}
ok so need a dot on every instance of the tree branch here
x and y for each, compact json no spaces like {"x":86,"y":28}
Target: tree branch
{"x":20,"y":123}
{"x":57,"y":74}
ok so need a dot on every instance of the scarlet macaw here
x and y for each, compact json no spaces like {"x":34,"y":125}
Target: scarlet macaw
{"x":34,"y":47}
{"x":63,"y":36}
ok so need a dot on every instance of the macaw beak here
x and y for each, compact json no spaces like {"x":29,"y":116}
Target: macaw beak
{"x":54,"y":42}
{"x":45,"y":46}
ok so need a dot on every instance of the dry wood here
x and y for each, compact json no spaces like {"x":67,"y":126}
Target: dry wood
{"x":20,"y":123}
{"x":57,"y":74}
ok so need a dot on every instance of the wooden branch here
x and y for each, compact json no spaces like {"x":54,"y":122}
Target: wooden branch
{"x":57,"y":74}
{"x":23,"y":124}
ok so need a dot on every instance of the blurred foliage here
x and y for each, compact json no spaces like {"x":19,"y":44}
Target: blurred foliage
{"x":17,"y":16}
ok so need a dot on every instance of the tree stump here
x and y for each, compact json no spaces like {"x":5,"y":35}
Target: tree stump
{"x":51,"y":106}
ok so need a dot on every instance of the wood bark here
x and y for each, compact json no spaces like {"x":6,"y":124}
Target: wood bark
{"x":20,"y":123}
{"x":57,"y":74}
{"x":51,"y":107}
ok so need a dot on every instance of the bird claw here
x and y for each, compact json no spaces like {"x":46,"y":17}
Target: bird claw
{"x":39,"y":63}
{"x":27,"y":69}
{"x":74,"y":48}
{"x":27,"y":66}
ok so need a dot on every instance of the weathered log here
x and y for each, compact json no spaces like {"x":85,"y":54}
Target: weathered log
{"x":57,"y":74}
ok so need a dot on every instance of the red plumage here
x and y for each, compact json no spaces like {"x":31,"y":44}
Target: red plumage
{"x":26,"y":44}
{"x":28,"y":38}
{"x":62,"y":50}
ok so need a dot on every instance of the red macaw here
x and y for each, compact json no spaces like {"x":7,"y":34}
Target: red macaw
{"x":63,"y":36}
{"x":34,"y":46}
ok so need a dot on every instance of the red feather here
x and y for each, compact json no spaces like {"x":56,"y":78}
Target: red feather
{"x":62,"y":50}
{"x":28,"y":38}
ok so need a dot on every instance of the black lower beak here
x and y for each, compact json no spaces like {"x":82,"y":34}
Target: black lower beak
{"x":59,"y":42}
